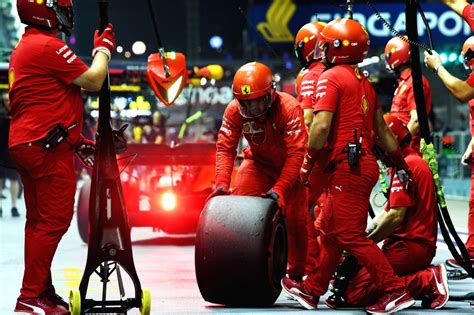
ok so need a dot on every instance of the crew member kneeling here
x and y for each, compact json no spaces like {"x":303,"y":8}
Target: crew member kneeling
{"x":347,"y":114}
{"x":409,"y":228}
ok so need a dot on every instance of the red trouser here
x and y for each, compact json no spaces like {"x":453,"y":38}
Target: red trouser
{"x":49,"y":185}
{"x":409,"y":259}
{"x":316,"y":198}
{"x":470,"y":222}
{"x":254,"y":179}
{"x":342,"y":225}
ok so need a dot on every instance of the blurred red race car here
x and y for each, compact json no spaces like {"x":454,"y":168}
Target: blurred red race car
{"x":164,"y":187}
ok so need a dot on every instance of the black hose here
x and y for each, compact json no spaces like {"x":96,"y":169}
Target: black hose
{"x":428,"y":28}
{"x":444,"y":220}
{"x":161,"y":49}
{"x":155,"y":24}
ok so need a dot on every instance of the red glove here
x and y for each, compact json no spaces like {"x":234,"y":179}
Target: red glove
{"x":85,"y":150}
{"x":401,"y":167}
{"x":308,"y":164}
{"x":104,"y":42}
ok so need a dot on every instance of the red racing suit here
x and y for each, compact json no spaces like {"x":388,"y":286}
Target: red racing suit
{"x":308,"y":84}
{"x":470,"y":222}
{"x":42,"y":95}
{"x":468,"y":15}
{"x":404,"y":102}
{"x":345,"y":92}
{"x":272,"y":160}
{"x":318,"y":178}
{"x":306,"y":98}
{"x":412,"y":246}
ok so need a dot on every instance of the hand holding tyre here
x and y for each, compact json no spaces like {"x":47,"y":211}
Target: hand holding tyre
{"x":271,"y":194}
{"x":219,"y":191}
{"x":104,"y":42}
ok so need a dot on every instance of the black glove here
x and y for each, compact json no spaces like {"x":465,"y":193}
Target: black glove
{"x":403,"y":176}
{"x":120,"y":142}
{"x":271,"y":194}
{"x":219,"y":191}
{"x":401,"y":167}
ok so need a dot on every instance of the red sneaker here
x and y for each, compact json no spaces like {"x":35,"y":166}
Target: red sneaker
{"x":298,"y":292}
{"x":391,"y":303}
{"x":58,"y":300}
{"x":439,"y":294}
{"x":338,"y":303}
{"x":40,"y":305}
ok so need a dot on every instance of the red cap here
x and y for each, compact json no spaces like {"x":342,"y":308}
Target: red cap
{"x":398,"y":128}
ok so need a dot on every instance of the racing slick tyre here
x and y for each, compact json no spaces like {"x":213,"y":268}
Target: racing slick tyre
{"x":83,"y":210}
{"x":241,"y":251}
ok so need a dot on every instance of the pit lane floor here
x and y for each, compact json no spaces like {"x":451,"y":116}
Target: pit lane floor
{"x":165,"y":264}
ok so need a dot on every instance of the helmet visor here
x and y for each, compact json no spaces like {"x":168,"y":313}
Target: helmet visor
{"x":467,"y":58}
{"x":320,"y":49}
{"x":387,"y":56}
{"x":299,"y":53}
{"x":256,"y":107}
{"x":65,"y":16}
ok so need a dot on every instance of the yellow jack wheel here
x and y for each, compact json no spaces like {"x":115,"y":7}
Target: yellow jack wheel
{"x":75,"y":302}
{"x":145,"y":308}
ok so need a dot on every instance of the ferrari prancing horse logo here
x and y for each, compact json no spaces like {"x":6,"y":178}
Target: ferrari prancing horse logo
{"x":365,"y":105}
{"x":246,"y":89}
{"x":11,"y":77}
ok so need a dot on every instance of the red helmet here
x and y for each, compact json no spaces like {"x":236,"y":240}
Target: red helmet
{"x":49,"y":14}
{"x":253,"y":87}
{"x":397,"y":52}
{"x":299,"y":78}
{"x":468,"y":53}
{"x":398,"y":128}
{"x":305,"y":42}
{"x":343,"y":41}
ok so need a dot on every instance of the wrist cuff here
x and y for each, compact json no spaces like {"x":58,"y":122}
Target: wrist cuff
{"x":102,"y":49}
